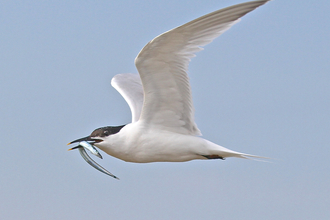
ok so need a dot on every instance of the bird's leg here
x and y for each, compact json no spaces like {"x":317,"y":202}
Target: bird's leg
{"x":214,"y":156}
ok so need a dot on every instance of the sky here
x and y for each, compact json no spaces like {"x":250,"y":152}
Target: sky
{"x":260,"y":88}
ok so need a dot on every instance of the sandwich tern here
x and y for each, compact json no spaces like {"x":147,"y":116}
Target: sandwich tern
{"x":163,"y":127}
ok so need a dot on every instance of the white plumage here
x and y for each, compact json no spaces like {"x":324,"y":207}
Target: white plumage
{"x":166,"y":130}
{"x":163,"y":126}
{"x":129,"y":85}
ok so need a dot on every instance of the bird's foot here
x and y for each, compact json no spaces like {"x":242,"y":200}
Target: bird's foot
{"x":214,"y":156}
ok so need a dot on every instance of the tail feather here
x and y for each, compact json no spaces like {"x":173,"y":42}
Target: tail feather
{"x":223,"y":152}
{"x":250,"y":157}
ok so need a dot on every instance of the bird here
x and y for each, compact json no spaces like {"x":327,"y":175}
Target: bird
{"x":163,"y":128}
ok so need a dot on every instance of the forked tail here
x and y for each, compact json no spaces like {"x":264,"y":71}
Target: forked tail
{"x":251,"y":157}
{"x":218,"y":152}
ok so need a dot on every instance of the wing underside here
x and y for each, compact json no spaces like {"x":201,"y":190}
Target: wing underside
{"x":130,"y":87}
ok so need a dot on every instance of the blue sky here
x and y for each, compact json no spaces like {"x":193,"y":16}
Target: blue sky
{"x":260,"y":88}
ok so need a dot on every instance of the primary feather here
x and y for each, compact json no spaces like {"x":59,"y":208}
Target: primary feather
{"x":163,"y":65}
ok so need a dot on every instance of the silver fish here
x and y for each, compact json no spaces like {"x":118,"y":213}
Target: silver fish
{"x":89,"y":147}
{"x":91,"y":162}
{"x":85,"y":145}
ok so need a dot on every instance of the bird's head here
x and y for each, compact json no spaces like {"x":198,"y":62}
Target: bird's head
{"x":99,"y":134}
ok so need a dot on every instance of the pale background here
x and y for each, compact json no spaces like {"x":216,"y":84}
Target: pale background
{"x":261,"y":88}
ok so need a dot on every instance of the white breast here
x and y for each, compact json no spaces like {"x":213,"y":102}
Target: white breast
{"x":142,"y":144}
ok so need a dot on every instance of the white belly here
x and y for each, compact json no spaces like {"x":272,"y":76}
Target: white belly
{"x":140,"y":145}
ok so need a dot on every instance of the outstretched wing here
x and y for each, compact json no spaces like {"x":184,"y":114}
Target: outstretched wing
{"x":163,"y":65}
{"x":130,"y":87}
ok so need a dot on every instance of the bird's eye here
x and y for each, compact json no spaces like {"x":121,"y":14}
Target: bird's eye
{"x":106,"y":132}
